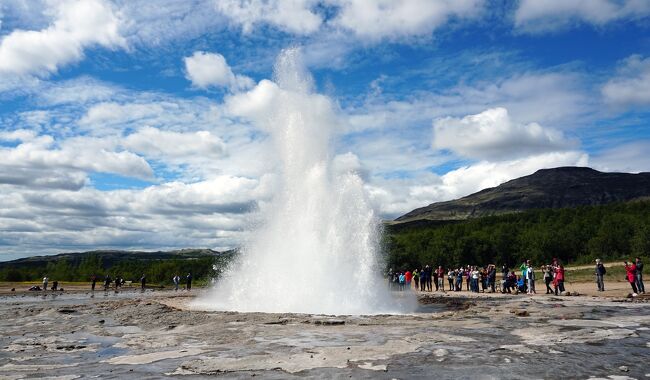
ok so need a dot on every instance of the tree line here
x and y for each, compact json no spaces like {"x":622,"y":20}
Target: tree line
{"x":573,"y":235}
{"x":131,"y":269}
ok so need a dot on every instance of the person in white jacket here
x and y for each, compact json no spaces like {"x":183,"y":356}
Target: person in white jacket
{"x":530,"y":276}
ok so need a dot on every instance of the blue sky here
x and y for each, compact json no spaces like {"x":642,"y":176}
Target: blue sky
{"x":132,"y":124}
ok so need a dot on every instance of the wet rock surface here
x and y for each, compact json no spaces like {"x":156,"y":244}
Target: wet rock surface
{"x":156,"y":335}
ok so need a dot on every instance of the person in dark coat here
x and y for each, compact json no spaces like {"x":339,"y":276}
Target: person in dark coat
{"x":600,"y":275}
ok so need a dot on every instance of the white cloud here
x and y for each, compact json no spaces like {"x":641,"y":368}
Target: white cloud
{"x":555,"y":98}
{"x":295,"y":16}
{"x":492,"y":134}
{"x":628,"y":157}
{"x":210,"y":69}
{"x":175,"y":146}
{"x":549,"y":15}
{"x":77,"y":25}
{"x":631,"y":86}
{"x":377,"y":19}
{"x":38,"y":161}
{"x":209,"y":213}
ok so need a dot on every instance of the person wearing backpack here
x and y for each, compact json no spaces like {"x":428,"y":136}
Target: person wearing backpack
{"x":600,"y":275}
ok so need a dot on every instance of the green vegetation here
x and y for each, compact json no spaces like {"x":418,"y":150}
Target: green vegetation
{"x":573,"y":235}
{"x":81,"y":267}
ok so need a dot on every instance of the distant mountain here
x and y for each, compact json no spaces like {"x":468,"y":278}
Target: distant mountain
{"x":110,"y":257}
{"x":546,"y":188}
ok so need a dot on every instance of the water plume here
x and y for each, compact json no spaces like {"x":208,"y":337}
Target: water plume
{"x":317,"y":250}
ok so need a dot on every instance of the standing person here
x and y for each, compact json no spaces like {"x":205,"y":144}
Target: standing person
{"x":492,"y":278}
{"x":429,"y":276}
{"x":450,"y":279}
{"x":143,"y":282}
{"x":505,"y":271}
{"x":107,"y":282}
{"x":188,"y":281}
{"x":176,"y":280}
{"x":639,"y":275}
{"x":408,"y":276}
{"x":548,"y":278}
{"x":93,"y":281}
{"x":475,"y":277}
{"x":402,"y":281}
{"x":600,"y":275}
{"x":424,"y":274}
{"x":45,"y":281}
{"x":468,"y":277}
{"x":631,"y":277}
{"x":558,"y":281}
{"x":441,"y":279}
{"x":530,"y":273}
{"x":416,"y":279}
{"x":435,"y":278}
{"x":459,"y":279}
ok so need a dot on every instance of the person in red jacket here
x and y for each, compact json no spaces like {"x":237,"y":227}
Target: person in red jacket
{"x":558,"y":281}
{"x":408,"y":276}
{"x":630,"y":268}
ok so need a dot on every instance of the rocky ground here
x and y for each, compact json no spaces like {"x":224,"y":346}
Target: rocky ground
{"x":156,"y":334}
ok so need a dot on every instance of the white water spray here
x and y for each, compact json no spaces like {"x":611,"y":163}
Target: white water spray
{"x":317,"y":250}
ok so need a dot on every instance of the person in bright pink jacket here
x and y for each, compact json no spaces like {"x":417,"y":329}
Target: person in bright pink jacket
{"x":558,"y":281}
{"x":630,"y":268}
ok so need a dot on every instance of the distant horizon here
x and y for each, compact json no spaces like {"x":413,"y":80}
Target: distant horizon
{"x":140,"y":124}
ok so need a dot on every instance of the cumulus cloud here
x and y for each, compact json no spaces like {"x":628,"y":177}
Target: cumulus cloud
{"x":377,"y":19}
{"x":173,"y":146}
{"x":631,"y":86}
{"x":555,"y":98}
{"x":38,"y":161}
{"x":542,"y":16}
{"x":211,"y":69}
{"x":492,"y":135}
{"x":209,"y":213}
{"x":76,"y":26}
{"x":295,"y":16}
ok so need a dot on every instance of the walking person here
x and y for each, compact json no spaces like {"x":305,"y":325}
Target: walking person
{"x":630,"y":269}
{"x":93,"y":281}
{"x":600,"y":275}
{"x":639,"y":275}
{"x":143,"y":281}
{"x":176,"y":279}
{"x":45,"y":281}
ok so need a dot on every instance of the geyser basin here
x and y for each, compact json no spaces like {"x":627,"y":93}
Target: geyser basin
{"x":317,"y":251}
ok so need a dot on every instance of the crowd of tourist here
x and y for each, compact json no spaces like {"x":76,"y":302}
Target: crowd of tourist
{"x":486,"y":279}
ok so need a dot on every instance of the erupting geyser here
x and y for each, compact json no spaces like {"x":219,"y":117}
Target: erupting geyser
{"x":317,"y":251}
